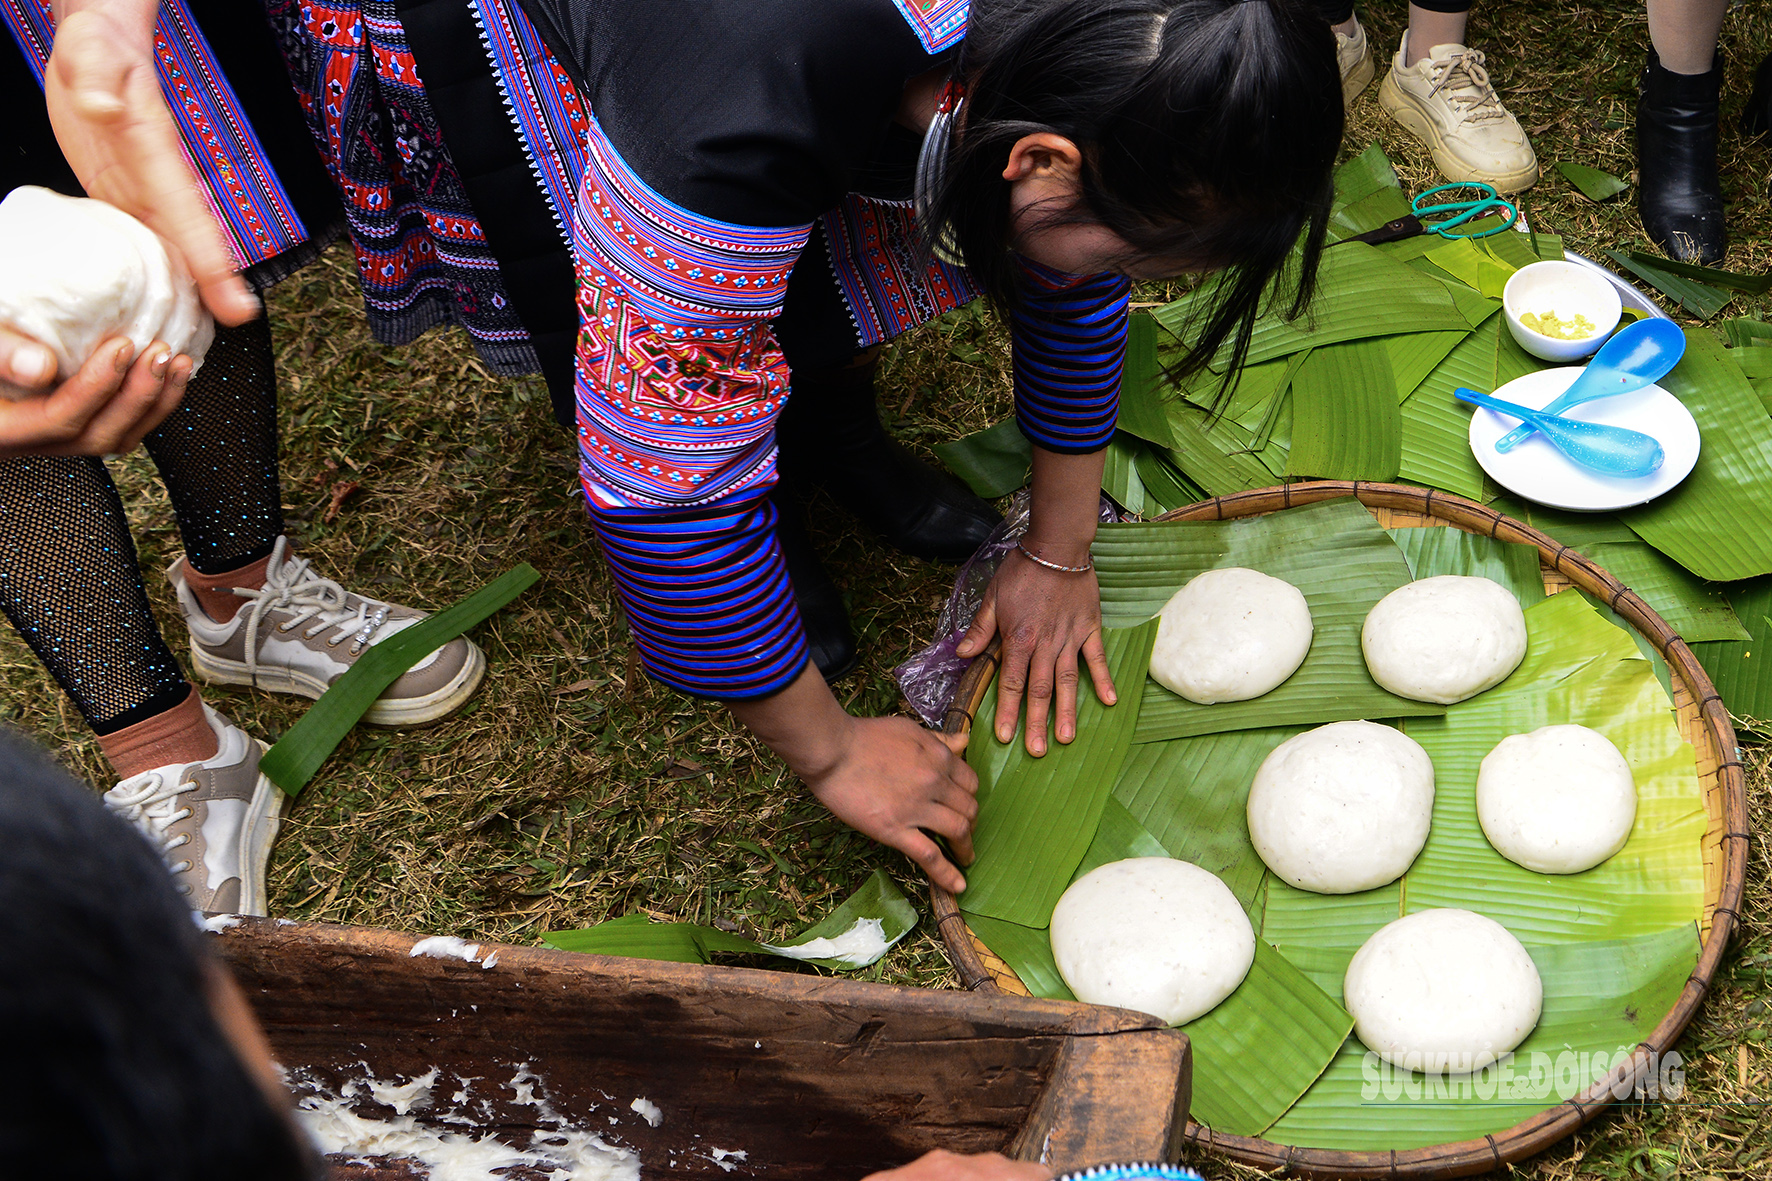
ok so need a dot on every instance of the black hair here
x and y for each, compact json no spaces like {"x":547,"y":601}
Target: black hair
{"x":1208,"y":130}
{"x":112,"y":1064}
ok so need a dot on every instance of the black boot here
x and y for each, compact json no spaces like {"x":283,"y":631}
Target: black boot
{"x":830,"y":437}
{"x":1757,"y":119}
{"x":1678,"y":193}
{"x":822,"y":613}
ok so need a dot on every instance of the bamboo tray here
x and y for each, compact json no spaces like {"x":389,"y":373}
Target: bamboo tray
{"x":811,"y":1078}
{"x":1703,"y":721}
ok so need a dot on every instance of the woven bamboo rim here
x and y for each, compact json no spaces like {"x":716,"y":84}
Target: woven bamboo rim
{"x":1703,"y":720}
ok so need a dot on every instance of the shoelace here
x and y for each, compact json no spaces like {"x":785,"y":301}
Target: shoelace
{"x":153,"y":808}
{"x":1466,"y":82}
{"x":291,"y":585}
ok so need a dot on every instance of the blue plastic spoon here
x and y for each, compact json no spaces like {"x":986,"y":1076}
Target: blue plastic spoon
{"x":1638,"y":355}
{"x":1609,"y":450}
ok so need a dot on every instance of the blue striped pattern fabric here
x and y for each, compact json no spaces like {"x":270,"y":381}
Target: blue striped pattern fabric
{"x":1069,"y":345}
{"x":707,"y":596}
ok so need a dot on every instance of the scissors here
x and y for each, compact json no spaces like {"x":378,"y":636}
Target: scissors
{"x":1486,"y":202}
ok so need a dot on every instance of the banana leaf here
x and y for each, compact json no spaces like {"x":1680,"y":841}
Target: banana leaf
{"x":1165,"y":485}
{"x":1471,"y":263}
{"x":1368,"y":213}
{"x":1591,"y":182}
{"x":1333,"y":552}
{"x":1436,"y":426}
{"x":1191,"y":795}
{"x":1718,"y":522}
{"x":1435,"y":550}
{"x":1756,"y":366}
{"x":994,"y":462}
{"x":1345,"y":422}
{"x":1319,"y":933}
{"x":298,"y":755}
{"x":1522,"y":249}
{"x":1743,"y":330}
{"x":878,"y":901}
{"x":1371,"y":295}
{"x":1698,"y":610}
{"x":1037,"y":816}
{"x":1368,"y":173}
{"x":1599,"y":998}
{"x":1734,"y":281}
{"x":1119,"y":473}
{"x":1414,"y":355}
{"x":1700,"y":299}
{"x":1742,"y":670}
{"x":1239,"y":1086}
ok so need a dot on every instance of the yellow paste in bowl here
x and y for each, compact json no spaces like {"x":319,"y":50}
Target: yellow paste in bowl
{"x":1577,"y":327}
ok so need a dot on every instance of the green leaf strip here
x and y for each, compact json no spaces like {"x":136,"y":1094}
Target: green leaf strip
{"x":300,"y":752}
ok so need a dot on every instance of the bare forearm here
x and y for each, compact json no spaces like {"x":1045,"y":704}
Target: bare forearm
{"x":803,"y":724}
{"x":1064,"y":508}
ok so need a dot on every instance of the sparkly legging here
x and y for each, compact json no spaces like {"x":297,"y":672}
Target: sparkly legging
{"x":70,"y":580}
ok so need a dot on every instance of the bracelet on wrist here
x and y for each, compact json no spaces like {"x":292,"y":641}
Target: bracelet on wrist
{"x":1086,"y":567}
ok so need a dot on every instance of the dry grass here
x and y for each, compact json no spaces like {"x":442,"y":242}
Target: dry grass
{"x":572,"y":790}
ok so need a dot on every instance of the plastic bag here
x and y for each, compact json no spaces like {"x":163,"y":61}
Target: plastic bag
{"x":930,"y":678}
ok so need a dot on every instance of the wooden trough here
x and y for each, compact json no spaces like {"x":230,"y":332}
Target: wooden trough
{"x":1702,"y":718}
{"x":808,"y":1077}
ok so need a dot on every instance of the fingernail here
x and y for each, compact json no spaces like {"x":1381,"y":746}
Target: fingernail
{"x":32,"y":363}
{"x":161,"y":360}
{"x":125,"y":354}
{"x":1065,"y":734}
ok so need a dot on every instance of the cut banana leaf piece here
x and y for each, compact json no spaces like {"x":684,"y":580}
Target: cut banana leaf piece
{"x":1191,"y":795}
{"x":1027,"y":951}
{"x":1436,"y":426}
{"x":1414,"y":355}
{"x":1601,"y":998}
{"x":1037,"y":816}
{"x":1742,"y":670}
{"x":1591,"y":182}
{"x":1698,"y":610}
{"x":1733,"y":280}
{"x":1744,"y":331}
{"x":1434,"y":550}
{"x":1700,"y":299}
{"x":1333,"y":552}
{"x":1373,"y":294}
{"x":1368,"y":173}
{"x":1119,"y":474}
{"x":874,"y":918}
{"x":1345,"y":423}
{"x":1718,"y":522}
{"x":1470,"y":262}
{"x":994,"y":462}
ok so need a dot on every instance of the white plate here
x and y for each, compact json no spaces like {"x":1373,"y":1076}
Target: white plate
{"x":1538,"y":471}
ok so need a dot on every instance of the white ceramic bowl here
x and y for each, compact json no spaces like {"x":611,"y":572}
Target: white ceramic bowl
{"x":1568,"y":290}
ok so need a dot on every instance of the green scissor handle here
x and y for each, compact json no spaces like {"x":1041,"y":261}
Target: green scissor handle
{"x":1487,"y":201}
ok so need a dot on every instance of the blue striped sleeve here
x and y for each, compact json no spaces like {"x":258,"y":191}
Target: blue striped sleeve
{"x":707,"y":595}
{"x":1069,"y":337}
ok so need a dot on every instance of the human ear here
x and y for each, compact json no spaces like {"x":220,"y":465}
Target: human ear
{"x":1044,"y":155}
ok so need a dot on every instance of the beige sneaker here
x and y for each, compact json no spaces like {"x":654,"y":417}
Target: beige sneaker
{"x":1445,"y":100}
{"x":1354,"y":55}
{"x":213,"y":821}
{"x":301,"y":632}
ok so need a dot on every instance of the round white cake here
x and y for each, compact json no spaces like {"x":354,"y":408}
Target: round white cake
{"x":1443,"y":991}
{"x":1230,"y":635}
{"x":1342,"y":808}
{"x":1558,"y":800}
{"x":1153,"y":934}
{"x":79,"y":272}
{"x":1444,"y":639}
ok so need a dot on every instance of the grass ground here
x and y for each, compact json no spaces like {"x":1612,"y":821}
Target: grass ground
{"x":572,"y":789}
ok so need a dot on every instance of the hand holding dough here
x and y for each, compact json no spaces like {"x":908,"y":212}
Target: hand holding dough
{"x":78,"y":272}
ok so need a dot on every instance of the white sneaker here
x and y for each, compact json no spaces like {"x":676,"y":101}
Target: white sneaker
{"x":213,"y":821}
{"x":301,"y":632}
{"x":1353,"y":53}
{"x":1445,"y":100}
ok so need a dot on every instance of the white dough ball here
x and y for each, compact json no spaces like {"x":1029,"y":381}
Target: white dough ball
{"x":1443,"y":991}
{"x":1153,"y":934}
{"x":1558,"y":800}
{"x":78,"y":272}
{"x":1342,"y":808}
{"x":1444,"y":639}
{"x":1230,"y":635}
